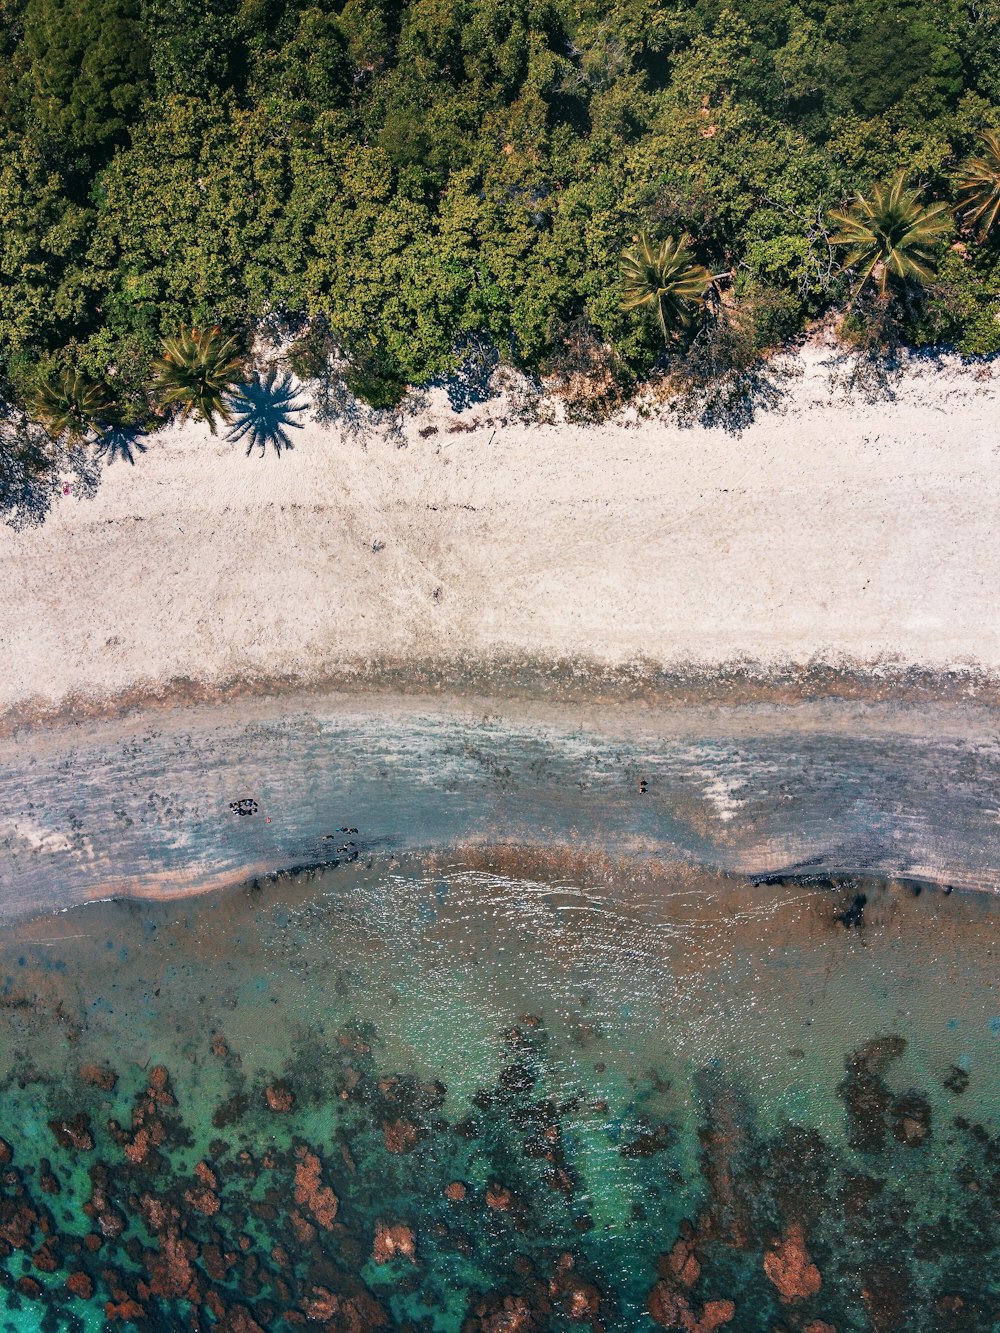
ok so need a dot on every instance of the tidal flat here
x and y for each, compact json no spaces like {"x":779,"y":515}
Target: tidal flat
{"x":504,"y":1090}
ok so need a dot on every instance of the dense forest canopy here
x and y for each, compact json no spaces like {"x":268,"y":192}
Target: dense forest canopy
{"x":407,"y":175}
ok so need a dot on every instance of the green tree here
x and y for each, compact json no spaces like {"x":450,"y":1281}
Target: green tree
{"x":664,"y":278}
{"x":979,"y":186}
{"x":890,"y":235}
{"x":69,"y":403}
{"x":88,"y":69}
{"x":196,"y":371}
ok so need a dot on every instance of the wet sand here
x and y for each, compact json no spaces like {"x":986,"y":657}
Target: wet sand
{"x":140,"y":805}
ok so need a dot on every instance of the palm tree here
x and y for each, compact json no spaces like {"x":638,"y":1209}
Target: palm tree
{"x":664,"y":277}
{"x":890,"y":235}
{"x":198,"y":368}
{"x":979,"y":186}
{"x":68,"y":403}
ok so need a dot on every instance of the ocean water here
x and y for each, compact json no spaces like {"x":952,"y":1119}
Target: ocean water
{"x":503,"y":1093}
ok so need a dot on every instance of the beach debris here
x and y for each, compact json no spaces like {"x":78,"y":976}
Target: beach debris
{"x":246,"y":805}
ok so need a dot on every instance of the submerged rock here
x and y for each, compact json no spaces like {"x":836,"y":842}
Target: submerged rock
{"x":910,"y":1116}
{"x":80,"y":1285}
{"x":790,"y":1268}
{"x":99,"y":1076}
{"x":279,"y":1097}
{"x":74,"y":1133}
{"x":310,"y":1192}
{"x":393,"y":1242}
{"x":400,"y":1136}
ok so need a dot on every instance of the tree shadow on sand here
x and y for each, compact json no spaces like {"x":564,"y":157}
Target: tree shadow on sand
{"x":262,"y":411}
{"x":122,"y":442}
{"x":34,"y":473}
{"x":470,"y":382}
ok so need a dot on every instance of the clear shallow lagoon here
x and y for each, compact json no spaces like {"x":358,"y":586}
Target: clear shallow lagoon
{"x":511,"y":1095}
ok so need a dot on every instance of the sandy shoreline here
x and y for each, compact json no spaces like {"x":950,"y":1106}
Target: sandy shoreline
{"x":488,"y":636}
{"x":831,"y":535}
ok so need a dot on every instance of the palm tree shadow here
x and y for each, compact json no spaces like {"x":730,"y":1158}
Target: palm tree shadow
{"x":262,"y":411}
{"x":120,"y":442}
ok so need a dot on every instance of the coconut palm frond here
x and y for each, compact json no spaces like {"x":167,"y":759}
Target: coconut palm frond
{"x":69,"y":403}
{"x":195,"y":372}
{"x":664,"y":277}
{"x":979,"y":186}
{"x":890,"y":234}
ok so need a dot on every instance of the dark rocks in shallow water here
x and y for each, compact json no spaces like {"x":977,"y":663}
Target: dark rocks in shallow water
{"x":80,"y":1285}
{"x":231,"y":1111}
{"x":655,"y":1140}
{"x":911,"y":1119}
{"x":310,"y":1192}
{"x":73,"y":1133}
{"x":887,"y":1291}
{"x":499,"y":1198}
{"x":670,"y":1303}
{"x":857,"y":1192}
{"x":671,"y":1308}
{"x":400,"y":1136}
{"x":279,"y":1097}
{"x":853,"y":916}
{"x":98,"y":1076}
{"x":956,"y":1080}
{"x":865,"y":1095}
{"x":501,"y":1313}
{"x":127,"y":1310}
{"x":577,"y":1298}
{"x":48,"y":1182}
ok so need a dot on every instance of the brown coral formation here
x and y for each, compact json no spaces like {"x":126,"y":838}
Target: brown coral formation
{"x":789,"y":1267}
{"x":310,"y":1192}
{"x":80,"y":1285}
{"x":98,"y":1076}
{"x":577,"y":1298}
{"x":670,"y":1302}
{"x":279,"y":1097}
{"x":400,"y":1136}
{"x":393,"y":1242}
{"x":73,"y":1133}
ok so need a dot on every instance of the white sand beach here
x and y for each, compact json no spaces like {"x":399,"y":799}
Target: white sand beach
{"x":831,"y":531}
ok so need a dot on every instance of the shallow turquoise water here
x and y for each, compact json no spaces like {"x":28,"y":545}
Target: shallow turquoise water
{"x":604,"y":1060}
